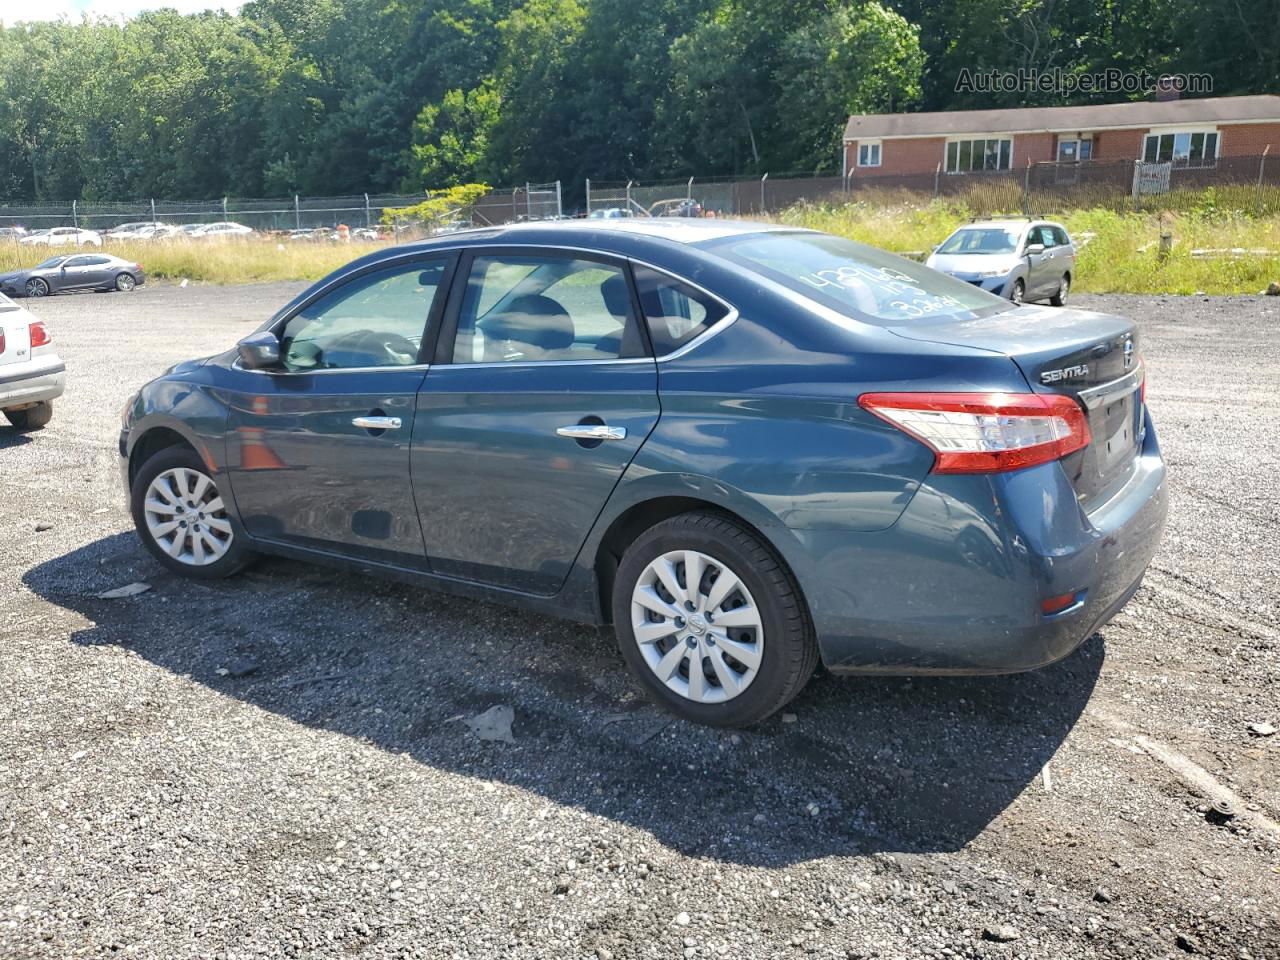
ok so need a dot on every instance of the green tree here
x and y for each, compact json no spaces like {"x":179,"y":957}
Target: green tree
{"x":451,"y":138}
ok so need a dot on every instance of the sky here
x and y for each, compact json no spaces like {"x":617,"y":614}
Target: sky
{"x":11,"y":11}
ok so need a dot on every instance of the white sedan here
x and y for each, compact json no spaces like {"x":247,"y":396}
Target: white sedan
{"x":63,"y":236}
{"x":222,"y":231}
{"x":32,"y":376}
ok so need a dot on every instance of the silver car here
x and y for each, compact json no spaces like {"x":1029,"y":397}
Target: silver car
{"x":31,"y":375}
{"x":1016,"y":259}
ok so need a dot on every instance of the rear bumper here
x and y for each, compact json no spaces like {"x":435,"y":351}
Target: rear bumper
{"x":955,"y":586}
{"x":31,"y":382}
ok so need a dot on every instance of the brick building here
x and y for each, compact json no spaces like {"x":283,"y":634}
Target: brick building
{"x":1190,"y":133}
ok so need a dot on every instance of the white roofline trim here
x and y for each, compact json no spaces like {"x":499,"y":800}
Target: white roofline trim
{"x":1093,"y":129}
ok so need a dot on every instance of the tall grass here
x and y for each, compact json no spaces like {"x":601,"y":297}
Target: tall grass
{"x":214,"y":261}
{"x":1119,"y":252}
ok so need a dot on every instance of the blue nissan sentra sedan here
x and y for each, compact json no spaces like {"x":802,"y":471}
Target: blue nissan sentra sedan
{"x":745,"y":447}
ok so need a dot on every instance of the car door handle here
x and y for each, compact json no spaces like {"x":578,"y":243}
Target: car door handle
{"x":592,"y":431}
{"x":377,"y":423}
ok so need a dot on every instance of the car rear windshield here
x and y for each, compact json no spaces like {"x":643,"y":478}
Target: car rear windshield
{"x":982,"y":240}
{"x":858,"y":281}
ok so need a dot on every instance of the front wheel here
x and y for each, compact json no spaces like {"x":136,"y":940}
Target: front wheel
{"x":182,"y":519}
{"x":37,"y":287}
{"x":1019,"y":291}
{"x":711,"y":621}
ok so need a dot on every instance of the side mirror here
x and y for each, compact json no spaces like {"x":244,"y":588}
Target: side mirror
{"x":259,"y":350}
{"x":1034,"y":248}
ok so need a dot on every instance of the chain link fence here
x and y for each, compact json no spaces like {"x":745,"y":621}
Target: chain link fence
{"x":1248,"y":184}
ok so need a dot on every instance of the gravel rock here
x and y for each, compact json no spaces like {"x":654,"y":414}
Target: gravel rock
{"x":1004,"y":933}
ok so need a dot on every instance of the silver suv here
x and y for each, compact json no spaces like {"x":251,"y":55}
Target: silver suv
{"x":1016,"y":259}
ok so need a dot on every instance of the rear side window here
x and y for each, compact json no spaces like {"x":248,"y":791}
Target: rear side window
{"x":523,"y":309}
{"x":1060,"y":237}
{"x":676,"y":312}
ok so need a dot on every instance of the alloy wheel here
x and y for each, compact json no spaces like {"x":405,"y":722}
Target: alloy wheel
{"x":125,"y":282}
{"x":37,"y":287}
{"x":1018,"y":292}
{"x":1064,"y":289}
{"x":187,"y":518}
{"x":697,"y":626}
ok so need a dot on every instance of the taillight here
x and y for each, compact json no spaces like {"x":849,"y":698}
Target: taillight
{"x":1,"y":340}
{"x":985,"y":432}
{"x":39,"y":334}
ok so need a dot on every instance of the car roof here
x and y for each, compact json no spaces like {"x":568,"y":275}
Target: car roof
{"x":682,"y":230}
{"x":1009,"y":222}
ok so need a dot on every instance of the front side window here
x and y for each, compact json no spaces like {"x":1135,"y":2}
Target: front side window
{"x":375,"y":320}
{"x":859,"y":281}
{"x":519,"y":309}
{"x":869,"y":153}
{"x":964,"y":156}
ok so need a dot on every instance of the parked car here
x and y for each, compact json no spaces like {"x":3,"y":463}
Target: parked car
{"x":81,"y":271}
{"x":1021,"y":260}
{"x":223,"y":230}
{"x":12,"y":233}
{"x":188,"y":230}
{"x":144,"y":230}
{"x":62,"y":237}
{"x":744,"y":446}
{"x":31,"y":375}
{"x":609,"y":213}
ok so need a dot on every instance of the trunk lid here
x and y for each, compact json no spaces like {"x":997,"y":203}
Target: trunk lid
{"x":15,"y":340}
{"x":1092,"y":357}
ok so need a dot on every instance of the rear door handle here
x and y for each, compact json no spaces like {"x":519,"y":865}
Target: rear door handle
{"x":597,"y":431}
{"x":377,"y":423}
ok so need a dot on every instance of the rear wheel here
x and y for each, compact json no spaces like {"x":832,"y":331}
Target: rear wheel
{"x":1018,"y":292}
{"x":125,"y":282}
{"x":37,"y":287}
{"x":711,"y":621}
{"x":32,"y":418}
{"x":1059,"y":299}
{"x":182,"y":519}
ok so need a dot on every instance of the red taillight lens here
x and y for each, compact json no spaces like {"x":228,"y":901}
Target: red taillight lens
{"x":39,"y":334}
{"x":1,"y":341}
{"x":985,"y":432}
{"x":1051,"y":605}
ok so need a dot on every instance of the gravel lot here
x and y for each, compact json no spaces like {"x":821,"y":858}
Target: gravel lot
{"x":274,"y":765}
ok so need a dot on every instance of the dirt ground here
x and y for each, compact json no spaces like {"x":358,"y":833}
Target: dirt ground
{"x":273,"y":765}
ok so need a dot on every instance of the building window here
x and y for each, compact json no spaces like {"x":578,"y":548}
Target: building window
{"x":1073,"y":149}
{"x":869,"y":153}
{"x":966,"y":155}
{"x":1197,"y":148}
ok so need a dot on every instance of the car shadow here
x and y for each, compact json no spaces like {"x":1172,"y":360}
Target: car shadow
{"x":855,"y":766}
{"x":12,"y":437}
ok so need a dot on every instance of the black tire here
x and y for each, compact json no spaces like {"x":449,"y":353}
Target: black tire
{"x":126,"y":281}
{"x":1018,"y":292}
{"x":32,"y":418}
{"x":37,"y":287}
{"x":238,"y":555}
{"x":790,"y":650}
{"x":1059,"y":299}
